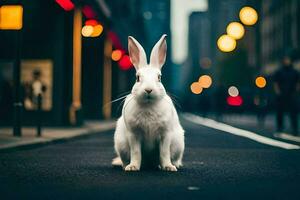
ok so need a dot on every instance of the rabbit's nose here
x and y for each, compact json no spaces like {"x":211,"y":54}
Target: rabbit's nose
{"x":148,"y":91}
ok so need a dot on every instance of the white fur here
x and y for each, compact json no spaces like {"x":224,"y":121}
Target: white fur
{"x":149,"y":122}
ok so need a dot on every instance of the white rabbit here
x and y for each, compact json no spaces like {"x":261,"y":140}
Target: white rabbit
{"x":149,"y":132}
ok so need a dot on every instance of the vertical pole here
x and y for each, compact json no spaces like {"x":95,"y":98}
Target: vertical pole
{"x":39,"y":115}
{"x":17,"y":87}
{"x":107,"y":79}
{"x":76,"y":102}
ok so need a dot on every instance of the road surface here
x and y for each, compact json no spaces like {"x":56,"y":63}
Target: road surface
{"x":217,"y":165}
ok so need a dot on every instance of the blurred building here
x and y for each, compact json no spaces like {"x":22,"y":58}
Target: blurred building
{"x":280,"y":32}
{"x":77,"y":75}
{"x":200,"y":54}
{"x":204,"y":57}
{"x":224,"y":12}
{"x":48,"y":43}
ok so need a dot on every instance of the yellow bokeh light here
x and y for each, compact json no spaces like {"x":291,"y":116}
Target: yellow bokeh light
{"x":248,"y":16}
{"x":116,"y":55}
{"x":226,"y":43}
{"x":87,"y":31}
{"x":235,"y":30}
{"x":260,"y":82}
{"x":205,"y":81}
{"x":196,"y":88}
{"x":11,"y":17}
{"x":97,"y":30}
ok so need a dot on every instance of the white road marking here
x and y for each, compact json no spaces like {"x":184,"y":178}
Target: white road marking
{"x":193,"y":188}
{"x":237,"y":131}
{"x":286,"y":136}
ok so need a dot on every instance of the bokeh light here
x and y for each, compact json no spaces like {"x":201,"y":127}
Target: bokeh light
{"x":248,"y":16}
{"x":205,"y":81}
{"x":67,"y":5}
{"x":205,"y":62}
{"x":88,"y":12}
{"x":235,"y":30}
{"x":91,"y":22}
{"x":196,"y":88}
{"x":234,"y":101}
{"x":11,"y":17}
{"x":125,"y":63}
{"x":97,"y":30}
{"x":116,"y":55}
{"x":87,"y":30}
{"x":226,"y":43}
{"x":233,"y":91}
{"x":260,"y":82}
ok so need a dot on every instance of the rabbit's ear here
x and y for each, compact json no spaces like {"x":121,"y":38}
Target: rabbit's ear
{"x":136,"y":53}
{"x":158,"y":53}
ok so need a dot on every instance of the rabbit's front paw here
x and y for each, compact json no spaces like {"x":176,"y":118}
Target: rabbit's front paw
{"x":170,"y":168}
{"x":132,"y":167}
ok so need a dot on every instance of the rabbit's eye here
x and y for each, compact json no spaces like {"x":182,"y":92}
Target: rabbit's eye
{"x":159,"y":78}
{"x":137,"y":78}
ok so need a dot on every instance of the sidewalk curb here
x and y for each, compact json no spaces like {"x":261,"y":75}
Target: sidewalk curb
{"x":45,"y":141}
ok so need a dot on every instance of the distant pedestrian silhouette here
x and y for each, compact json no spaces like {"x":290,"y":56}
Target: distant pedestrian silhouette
{"x":33,"y":89}
{"x":286,"y":86}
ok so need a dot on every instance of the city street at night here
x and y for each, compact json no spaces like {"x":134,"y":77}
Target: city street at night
{"x":217,"y":165}
{"x":150,"y":99}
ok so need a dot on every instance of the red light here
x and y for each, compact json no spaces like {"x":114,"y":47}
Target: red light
{"x":235,"y":101}
{"x":125,"y":63}
{"x":88,"y":12}
{"x":91,"y":22}
{"x":67,"y":5}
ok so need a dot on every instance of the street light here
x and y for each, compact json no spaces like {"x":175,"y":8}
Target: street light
{"x":90,"y":30}
{"x":233,"y":91}
{"x":97,"y":30}
{"x":67,"y":5}
{"x":205,"y":81}
{"x":226,"y":43}
{"x":235,"y":101}
{"x":116,"y":55}
{"x":235,"y":30}
{"x":91,"y":22}
{"x":196,"y":88}
{"x":87,"y":30}
{"x":260,"y":82}
{"x":11,"y":17}
{"x":248,"y":15}
{"x":125,"y":63}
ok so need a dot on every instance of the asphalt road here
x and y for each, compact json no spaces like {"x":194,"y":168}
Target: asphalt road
{"x":217,"y":165}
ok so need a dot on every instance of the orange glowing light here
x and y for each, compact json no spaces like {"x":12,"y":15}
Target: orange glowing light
{"x":196,"y":88}
{"x":116,"y":55}
{"x":260,"y":82}
{"x":205,"y":81}
{"x":11,"y":17}
{"x":98,"y":29}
